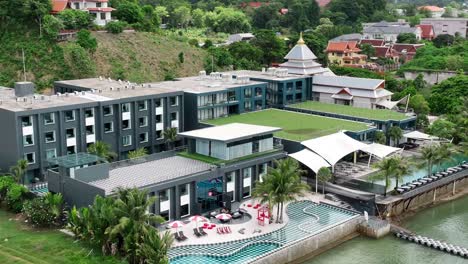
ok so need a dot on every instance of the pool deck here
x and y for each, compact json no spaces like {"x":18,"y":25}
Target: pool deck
{"x":250,"y":226}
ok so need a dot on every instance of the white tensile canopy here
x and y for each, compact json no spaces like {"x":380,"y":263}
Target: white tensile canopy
{"x":333,"y":147}
{"x":391,"y":104}
{"x":379,"y":150}
{"x":419,"y":136}
{"x":310,"y":159}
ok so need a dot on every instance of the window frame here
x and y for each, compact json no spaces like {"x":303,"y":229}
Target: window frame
{"x":111,"y":112}
{"x":33,"y":156}
{"x":53,"y":118}
{"x":54,"y":136}
{"x":146,"y":106}
{"x":147,"y":139}
{"x":130,"y":140}
{"x":74,"y":115}
{"x":112,"y":127}
{"x":32,"y":140}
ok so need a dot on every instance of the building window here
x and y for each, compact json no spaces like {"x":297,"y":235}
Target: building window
{"x":247,"y":92}
{"x":26,"y":121}
{"x":108,"y":127}
{"x":231,"y":185}
{"x":70,"y":132}
{"x":143,"y":121}
{"x":89,"y":130}
{"x":173,"y":116}
{"x":247,"y":182}
{"x":173,"y":100}
{"x":164,"y":195}
{"x":184,"y":210}
{"x":126,"y":124}
{"x":158,"y":118}
{"x":127,"y":140}
{"x":262,"y":171}
{"x":70,"y":116}
{"x":143,"y":137}
{"x":28,"y":140}
{"x":255,"y":146}
{"x":51,"y":153}
{"x":71,"y":150}
{"x":158,"y":102}
{"x":99,"y":5}
{"x":126,"y":108}
{"x":50,"y":137}
{"x":159,"y":134}
{"x":30,"y":157}
{"x":89,"y":113}
{"x":49,"y":118}
{"x":77,"y":5}
{"x":142,"y":105}
{"x":183,"y":189}
{"x":107,"y":110}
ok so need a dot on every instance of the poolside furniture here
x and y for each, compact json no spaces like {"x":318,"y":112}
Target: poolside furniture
{"x":196,"y":232}
{"x":181,"y":235}
{"x":219,"y":230}
{"x":417,"y":183}
{"x":177,"y":237}
{"x":444,"y":173}
{"x":202,"y":232}
{"x":400,"y":190}
{"x":465,"y":166}
{"x":406,"y":188}
{"x":428,"y":179}
{"x":236,"y":215}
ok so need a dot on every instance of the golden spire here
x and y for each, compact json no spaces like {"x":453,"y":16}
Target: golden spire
{"x":301,"y":40}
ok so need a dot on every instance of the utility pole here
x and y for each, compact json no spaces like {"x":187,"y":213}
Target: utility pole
{"x":212,"y":63}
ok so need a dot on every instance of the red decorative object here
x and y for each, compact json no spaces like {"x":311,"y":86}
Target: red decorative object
{"x":263,"y":214}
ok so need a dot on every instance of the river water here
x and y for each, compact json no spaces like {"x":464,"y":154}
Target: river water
{"x":448,"y":221}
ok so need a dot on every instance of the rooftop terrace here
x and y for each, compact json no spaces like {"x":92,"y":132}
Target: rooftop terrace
{"x":296,"y":126}
{"x":374,"y":114}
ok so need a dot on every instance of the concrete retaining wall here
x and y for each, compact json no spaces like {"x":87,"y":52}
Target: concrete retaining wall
{"x":431,"y":77}
{"x":310,"y":244}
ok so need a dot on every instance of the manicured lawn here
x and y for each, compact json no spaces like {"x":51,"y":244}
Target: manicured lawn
{"x":376,"y":114}
{"x":20,"y":243}
{"x":296,"y":126}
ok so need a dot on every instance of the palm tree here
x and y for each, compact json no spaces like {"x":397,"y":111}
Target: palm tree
{"x":386,"y":169}
{"x":137,"y":153}
{"x":134,"y":222}
{"x":323,"y":175}
{"x":283,"y":184}
{"x":264,"y":192}
{"x":443,"y":153}
{"x":429,"y":154}
{"x":170,"y":135}
{"x":102,"y":150}
{"x":380,"y":137}
{"x":402,"y":167}
{"x":155,"y":247}
{"x":395,"y":133}
{"x":19,"y":170}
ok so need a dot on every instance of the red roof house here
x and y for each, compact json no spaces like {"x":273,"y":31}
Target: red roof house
{"x":427,"y":31}
{"x":58,"y":6}
{"x":406,"y":51}
{"x":373,"y":42}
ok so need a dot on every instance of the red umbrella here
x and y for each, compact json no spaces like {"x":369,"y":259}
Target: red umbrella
{"x":176,"y":225}
{"x":198,"y":218}
{"x":223,"y":217}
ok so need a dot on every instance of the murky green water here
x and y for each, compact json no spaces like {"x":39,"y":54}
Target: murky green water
{"x":448,"y":222}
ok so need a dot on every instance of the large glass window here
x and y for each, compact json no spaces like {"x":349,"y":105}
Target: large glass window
{"x":231,"y":185}
{"x":30,"y":157}
{"x":143,"y":137}
{"x":89,"y":112}
{"x":173,"y":100}
{"x":209,"y":194}
{"x":108,"y":127}
{"x":70,"y":132}
{"x":255,"y":146}
{"x":28,"y":140}
{"x":89,"y":130}
{"x":164,"y":195}
{"x":70,"y":116}
{"x":49,"y":118}
{"x":51,"y":153}
{"x":159,"y":134}
{"x":26,"y":121}
{"x":71,"y":150}
{"x":158,"y":102}
{"x":183,"y":189}
{"x":107,"y":110}
{"x":126,"y":108}
{"x":247,"y":182}
{"x":126,"y":124}
{"x":127,"y":140}
{"x":143,"y":121}
{"x":50,"y":136}
{"x":173,"y":116}
{"x":142,"y":105}
{"x":158,"y":118}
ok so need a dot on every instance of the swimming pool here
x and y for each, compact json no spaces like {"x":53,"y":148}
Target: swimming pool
{"x":306,"y":218}
{"x":421,"y":173}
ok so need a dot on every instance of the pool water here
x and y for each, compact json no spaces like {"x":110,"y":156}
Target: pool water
{"x":422,"y":172}
{"x":305,"y":219}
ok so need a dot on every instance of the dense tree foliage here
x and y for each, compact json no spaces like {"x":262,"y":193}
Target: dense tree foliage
{"x":75,"y":19}
{"x":408,"y":38}
{"x":447,"y":96}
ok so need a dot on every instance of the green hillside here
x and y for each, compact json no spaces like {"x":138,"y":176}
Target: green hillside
{"x":134,"y":56}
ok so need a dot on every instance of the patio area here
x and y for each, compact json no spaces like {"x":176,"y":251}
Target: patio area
{"x":238,"y":229}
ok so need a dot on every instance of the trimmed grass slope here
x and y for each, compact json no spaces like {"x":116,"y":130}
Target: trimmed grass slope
{"x":21,"y":244}
{"x":296,"y":126}
{"x":375,"y":114}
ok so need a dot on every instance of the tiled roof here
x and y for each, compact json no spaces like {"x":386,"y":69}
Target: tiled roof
{"x":322,"y":3}
{"x":373,"y":42}
{"x":253,"y":4}
{"x":345,"y":46}
{"x":58,"y":6}
{"x":381,"y":52}
{"x":427,"y":31}
{"x":431,"y":8}
{"x":408,"y":47}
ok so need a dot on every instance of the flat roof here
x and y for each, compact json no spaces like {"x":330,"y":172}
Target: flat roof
{"x":266,"y":75}
{"x":295,"y":126}
{"x":150,"y":173}
{"x":230,"y":132}
{"x":203,"y":84}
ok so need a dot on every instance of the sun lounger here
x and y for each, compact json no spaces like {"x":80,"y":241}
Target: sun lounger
{"x":434,"y":177}
{"x":177,"y":237}
{"x":406,"y":188}
{"x":227,"y":230}
{"x":465,"y":166}
{"x":196,"y":232}
{"x":181,"y":235}
{"x":444,"y":173}
{"x":400,"y":190}
{"x":416,"y":183}
{"x":427,"y":179}
{"x":219,"y":230}
{"x":202,"y":232}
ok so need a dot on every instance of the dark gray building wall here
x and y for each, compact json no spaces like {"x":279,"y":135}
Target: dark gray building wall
{"x":93,"y":173}
{"x":9,"y":145}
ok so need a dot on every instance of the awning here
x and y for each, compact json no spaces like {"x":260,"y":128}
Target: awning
{"x":419,"y":136}
{"x":310,"y":159}
{"x":391,"y":104}
{"x":380,"y":150}
{"x":342,"y":96}
{"x":333,"y":147}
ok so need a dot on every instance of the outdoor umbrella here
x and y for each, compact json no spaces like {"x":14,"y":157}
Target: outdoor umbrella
{"x":223,"y":217}
{"x":198,"y":218}
{"x":176,"y":225}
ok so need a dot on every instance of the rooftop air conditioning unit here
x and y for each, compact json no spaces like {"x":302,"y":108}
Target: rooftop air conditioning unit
{"x":99,"y":91}
{"x":43,"y":97}
{"x":111,"y":88}
{"x":76,"y":93}
{"x":83,"y":93}
{"x":120,"y":81}
{"x":109,"y":79}
{"x":100,"y":78}
{"x":18,"y":99}
{"x":59,"y":94}
{"x":25,"y":99}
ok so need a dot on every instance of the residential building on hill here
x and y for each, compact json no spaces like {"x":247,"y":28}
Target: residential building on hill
{"x":388,"y":31}
{"x":451,"y":26}
{"x":345,"y":53}
{"x":427,"y":31}
{"x":435,"y":10}
{"x":99,"y":9}
{"x":406,"y":52}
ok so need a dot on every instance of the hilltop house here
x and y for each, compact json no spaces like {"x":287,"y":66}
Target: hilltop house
{"x":99,"y":9}
{"x":406,"y":52}
{"x":435,"y":10}
{"x":427,"y":31}
{"x":345,"y":53}
{"x":447,"y":25}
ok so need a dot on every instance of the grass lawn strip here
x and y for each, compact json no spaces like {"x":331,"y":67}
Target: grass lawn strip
{"x":376,"y":114}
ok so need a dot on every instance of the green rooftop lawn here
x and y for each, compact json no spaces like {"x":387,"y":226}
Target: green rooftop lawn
{"x":376,"y":114}
{"x":296,"y":126}
{"x":20,"y":243}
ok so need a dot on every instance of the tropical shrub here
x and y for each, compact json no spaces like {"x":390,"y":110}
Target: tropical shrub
{"x":5,"y":183}
{"x":115,"y":27}
{"x":15,"y":197}
{"x":38,"y":213}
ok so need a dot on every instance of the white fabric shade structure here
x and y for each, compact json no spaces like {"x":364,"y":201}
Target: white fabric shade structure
{"x":419,"y":136}
{"x":310,"y":159}
{"x":391,"y":104}
{"x":334,"y":147}
{"x":379,"y":150}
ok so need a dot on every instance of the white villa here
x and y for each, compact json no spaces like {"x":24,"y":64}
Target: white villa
{"x":98,"y":8}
